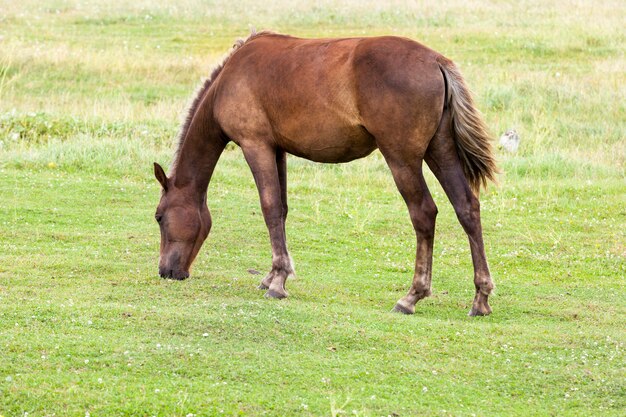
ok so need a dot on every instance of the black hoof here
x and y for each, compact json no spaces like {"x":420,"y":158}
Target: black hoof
{"x":275,"y":294}
{"x":399,"y":308}
{"x":262,"y":287}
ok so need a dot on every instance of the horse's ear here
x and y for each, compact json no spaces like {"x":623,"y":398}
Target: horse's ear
{"x":160,"y":175}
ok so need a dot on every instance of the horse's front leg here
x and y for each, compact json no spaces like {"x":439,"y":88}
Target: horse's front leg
{"x":268,"y":168}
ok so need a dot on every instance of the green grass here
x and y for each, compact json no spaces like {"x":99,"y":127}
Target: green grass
{"x":92,"y":93}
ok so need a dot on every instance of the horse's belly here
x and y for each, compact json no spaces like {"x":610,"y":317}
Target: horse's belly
{"x":331,"y":145}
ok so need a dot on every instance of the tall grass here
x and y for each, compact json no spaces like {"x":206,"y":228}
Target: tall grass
{"x":552,"y":71}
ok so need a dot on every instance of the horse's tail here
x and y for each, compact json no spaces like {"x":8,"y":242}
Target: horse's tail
{"x":472,"y":139}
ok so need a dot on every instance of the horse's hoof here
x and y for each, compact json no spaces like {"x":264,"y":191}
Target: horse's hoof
{"x":399,"y":308}
{"x":275,"y":294}
{"x":480,"y":311}
{"x":262,"y":287}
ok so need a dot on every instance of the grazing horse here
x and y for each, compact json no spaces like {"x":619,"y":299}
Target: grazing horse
{"x":331,"y":100}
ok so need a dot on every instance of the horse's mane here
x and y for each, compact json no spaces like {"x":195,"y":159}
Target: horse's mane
{"x":204,"y":88}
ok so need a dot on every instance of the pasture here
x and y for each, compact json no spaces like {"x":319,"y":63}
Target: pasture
{"x":92,"y":92}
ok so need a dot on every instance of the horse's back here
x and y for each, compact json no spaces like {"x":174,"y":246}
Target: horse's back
{"x":327,"y":99}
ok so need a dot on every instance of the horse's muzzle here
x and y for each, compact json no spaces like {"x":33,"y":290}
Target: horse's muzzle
{"x":172,"y":274}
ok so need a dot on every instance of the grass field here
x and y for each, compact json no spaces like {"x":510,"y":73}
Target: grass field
{"x":92,"y":92}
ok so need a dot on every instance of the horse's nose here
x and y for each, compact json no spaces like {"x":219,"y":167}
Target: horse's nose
{"x":179,"y":275}
{"x":165,"y":273}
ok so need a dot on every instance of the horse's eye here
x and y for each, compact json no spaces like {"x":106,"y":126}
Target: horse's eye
{"x":158,"y":218}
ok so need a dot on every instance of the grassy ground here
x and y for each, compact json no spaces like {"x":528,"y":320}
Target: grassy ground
{"x":91,"y":93}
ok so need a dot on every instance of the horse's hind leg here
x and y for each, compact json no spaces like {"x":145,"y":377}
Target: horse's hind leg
{"x":407,"y":173}
{"x":442,"y":158}
{"x":265,"y":165}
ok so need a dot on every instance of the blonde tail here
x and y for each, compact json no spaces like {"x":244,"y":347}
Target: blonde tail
{"x":472,"y":139}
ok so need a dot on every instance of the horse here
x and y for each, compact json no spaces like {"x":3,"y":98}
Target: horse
{"x":331,"y":101}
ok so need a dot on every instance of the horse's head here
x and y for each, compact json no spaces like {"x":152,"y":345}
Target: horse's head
{"x":185,"y":223}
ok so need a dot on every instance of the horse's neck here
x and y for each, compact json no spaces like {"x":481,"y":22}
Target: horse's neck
{"x":198,"y":154}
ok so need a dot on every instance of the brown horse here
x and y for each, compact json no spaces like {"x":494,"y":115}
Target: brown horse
{"x":331,"y":100}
